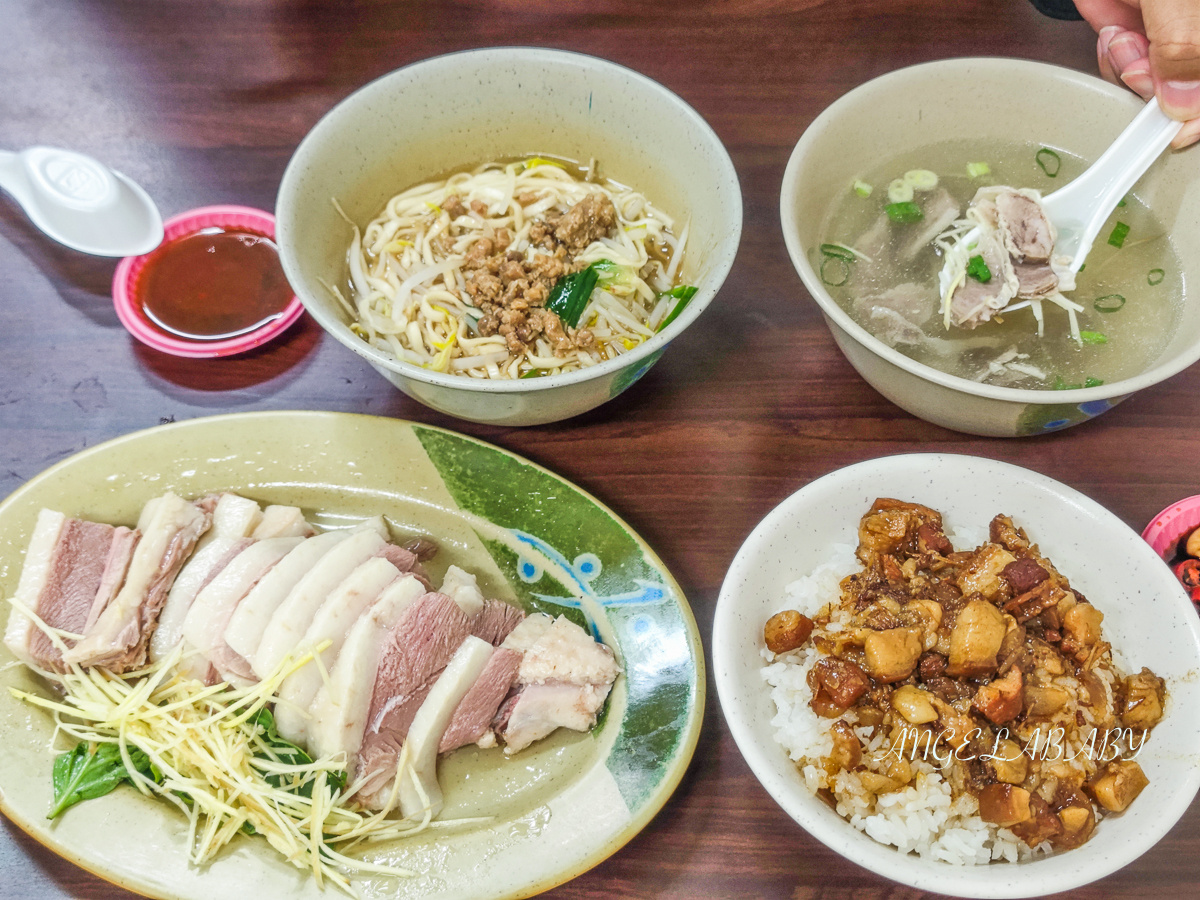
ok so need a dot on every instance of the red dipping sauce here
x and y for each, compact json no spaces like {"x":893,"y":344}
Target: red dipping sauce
{"x":213,"y":285}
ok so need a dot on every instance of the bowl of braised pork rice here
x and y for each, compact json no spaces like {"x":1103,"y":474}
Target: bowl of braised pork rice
{"x":961,"y":675}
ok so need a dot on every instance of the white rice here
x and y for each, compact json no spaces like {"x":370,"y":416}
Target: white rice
{"x":921,"y":818}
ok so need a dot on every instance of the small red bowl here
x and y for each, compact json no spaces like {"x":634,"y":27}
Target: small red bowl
{"x":1173,"y":523}
{"x":133,"y":317}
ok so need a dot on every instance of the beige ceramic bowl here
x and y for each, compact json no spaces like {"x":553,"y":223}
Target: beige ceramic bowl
{"x":1147,"y":618}
{"x":979,"y":98}
{"x":468,"y":108}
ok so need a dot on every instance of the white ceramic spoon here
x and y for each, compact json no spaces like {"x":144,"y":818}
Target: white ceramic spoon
{"x":81,"y":203}
{"x":1079,"y":209}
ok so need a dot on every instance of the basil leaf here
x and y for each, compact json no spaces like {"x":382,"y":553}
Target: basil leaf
{"x":570,"y":294}
{"x":93,"y":770}
{"x":292,"y":755}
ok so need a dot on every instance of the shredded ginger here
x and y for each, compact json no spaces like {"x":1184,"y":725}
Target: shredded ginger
{"x":215,"y":764}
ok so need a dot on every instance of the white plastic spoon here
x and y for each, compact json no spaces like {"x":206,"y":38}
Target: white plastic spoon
{"x":81,"y":203}
{"x":1079,"y":209}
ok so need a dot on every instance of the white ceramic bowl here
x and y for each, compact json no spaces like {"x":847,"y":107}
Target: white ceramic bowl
{"x":1147,"y":618}
{"x":987,"y":99}
{"x":467,"y":108}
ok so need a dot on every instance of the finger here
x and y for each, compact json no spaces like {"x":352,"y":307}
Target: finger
{"x":1105,"y":35}
{"x":1127,"y":49}
{"x":1173,"y":27}
{"x":1137,"y":78}
{"x":1188,"y":134}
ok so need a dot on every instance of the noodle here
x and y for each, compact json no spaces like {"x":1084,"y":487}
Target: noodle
{"x":432,"y":278}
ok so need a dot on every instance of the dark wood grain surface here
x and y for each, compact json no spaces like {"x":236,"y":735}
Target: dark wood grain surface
{"x":204,"y":102}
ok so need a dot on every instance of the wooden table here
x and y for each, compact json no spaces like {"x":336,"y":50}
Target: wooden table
{"x":204,"y":102}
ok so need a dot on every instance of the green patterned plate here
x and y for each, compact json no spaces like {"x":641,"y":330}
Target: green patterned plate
{"x":554,"y":810}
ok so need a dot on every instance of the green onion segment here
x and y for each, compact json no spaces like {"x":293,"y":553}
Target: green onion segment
{"x":684,"y":294}
{"x":904,"y":212}
{"x":1049,"y":161}
{"x":1155,"y":276}
{"x":838,"y":250}
{"x":978,"y":169}
{"x":1109,"y":303}
{"x":1093,"y":337}
{"x":978,"y":269}
{"x":835,"y":271}
{"x":1119,"y":233}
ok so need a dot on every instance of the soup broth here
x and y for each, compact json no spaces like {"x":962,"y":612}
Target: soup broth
{"x":1130,"y":295}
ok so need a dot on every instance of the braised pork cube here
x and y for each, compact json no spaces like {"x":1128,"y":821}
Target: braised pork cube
{"x":982,"y":574}
{"x":1118,"y":784}
{"x":1142,"y":700}
{"x":1001,"y":700}
{"x":892,"y":654}
{"x":975,"y":641}
{"x":1042,"y":824}
{"x":839,"y":684}
{"x":786,"y":631}
{"x":1005,"y":805}
{"x":892,"y":526}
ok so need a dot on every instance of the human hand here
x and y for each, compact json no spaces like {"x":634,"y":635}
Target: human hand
{"x":1153,"y":48}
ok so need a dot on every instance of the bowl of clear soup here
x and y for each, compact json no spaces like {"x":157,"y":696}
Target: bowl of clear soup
{"x":872,"y":197}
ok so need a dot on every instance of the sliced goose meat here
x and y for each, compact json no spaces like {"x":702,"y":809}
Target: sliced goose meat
{"x":1028,"y":235}
{"x":329,"y":626}
{"x":234,"y":519}
{"x":563,"y":680}
{"x":293,"y":616}
{"x":340,"y":709}
{"x":205,"y":624}
{"x":282,"y":521}
{"x":463,"y":588}
{"x":538,"y":710}
{"x":416,"y":650}
{"x":496,"y":621}
{"x":65,"y":570}
{"x":472,"y":719}
{"x":1035,"y":279}
{"x":200,"y":573}
{"x":170,"y":528}
{"x":420,"y":793}
{"x":253,"y":614}
{"x":406,"y":561}
{"x":975,"y":302}
{"x":120,"y":555}
{"x":939,"y":212}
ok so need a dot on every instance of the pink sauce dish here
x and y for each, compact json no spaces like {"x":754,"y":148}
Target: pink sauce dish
{"x":213,"y":287}
{"x":1168,"y":535}
{"x":1174,"y":523}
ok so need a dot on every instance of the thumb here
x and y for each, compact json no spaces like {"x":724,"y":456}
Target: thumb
{"x":1173,"y":27}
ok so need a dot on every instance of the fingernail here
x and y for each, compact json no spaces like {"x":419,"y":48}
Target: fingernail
{"x":1188,"y":134}
{"x":1180,"y":99}
{"x":1140,"y":83}
{"x":1125,"y":50}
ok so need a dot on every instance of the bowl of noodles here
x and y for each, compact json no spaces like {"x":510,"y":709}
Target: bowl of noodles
{"x":870,"y":226}
{"x":510,"y":235}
